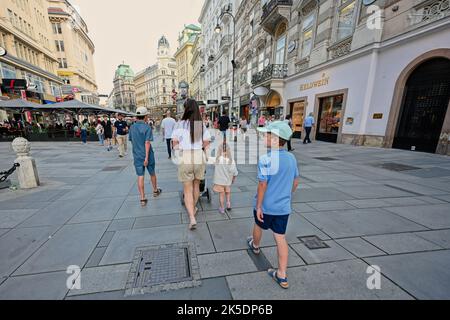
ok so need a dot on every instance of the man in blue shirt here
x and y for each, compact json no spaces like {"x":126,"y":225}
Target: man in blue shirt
{"x":308,"y":125}
{"x":278,"y":177}
{"x":121,"y":127}
{"x":141,"y":137}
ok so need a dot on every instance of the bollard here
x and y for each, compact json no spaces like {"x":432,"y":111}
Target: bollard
{"x":27,"y":172}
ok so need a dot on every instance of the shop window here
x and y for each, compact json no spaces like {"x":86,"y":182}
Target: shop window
{"x":307,"y":35}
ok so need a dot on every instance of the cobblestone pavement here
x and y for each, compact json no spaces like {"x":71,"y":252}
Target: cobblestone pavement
{"x":363,"y":202}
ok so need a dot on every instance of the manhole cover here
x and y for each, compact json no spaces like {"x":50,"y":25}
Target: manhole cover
{"x":114,"y":168}
{"x":398,"y":167}
{"x":313,"y":243}
{"x":326,"y":159}
{"x":162,"y":268}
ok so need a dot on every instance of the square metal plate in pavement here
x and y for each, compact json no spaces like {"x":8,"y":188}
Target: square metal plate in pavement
{"x":163,"y":268}
{"x":313,"y":243}
{"x":397,"y":167}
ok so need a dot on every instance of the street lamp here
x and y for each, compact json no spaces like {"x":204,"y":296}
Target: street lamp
{"x":218,"y":30}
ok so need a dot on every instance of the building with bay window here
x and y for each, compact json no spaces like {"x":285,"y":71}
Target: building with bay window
{"x":373,"y":73}
{"x":75,"y":52}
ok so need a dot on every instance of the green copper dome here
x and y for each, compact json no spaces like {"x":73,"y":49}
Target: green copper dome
{"x":124,"y":71}
{"x":193,"y":27}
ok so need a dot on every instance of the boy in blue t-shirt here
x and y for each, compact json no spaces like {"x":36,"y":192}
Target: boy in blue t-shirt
{"x":278,"y":177}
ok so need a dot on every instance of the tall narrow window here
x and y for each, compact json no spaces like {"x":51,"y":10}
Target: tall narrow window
{"x":307,"y":35}
{"x":261,"y":60}
{"x":346,"y":20}
{"x":280,"y":51}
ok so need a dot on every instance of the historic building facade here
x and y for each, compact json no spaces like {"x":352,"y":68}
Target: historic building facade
{"x":74,"y":51}
{"x":26,"y":34}
{"x":198,"y":69}
{"x":156,"y":85}
{"x":373,"y":74}
{"x":218,"y":53}
{"x":124,"y":89}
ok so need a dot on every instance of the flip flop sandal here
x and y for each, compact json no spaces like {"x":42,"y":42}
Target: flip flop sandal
{"x":281,"y":282}
{"x":193,"y":226}
{"x":144,"y":202}
{"x":157,"y":193}
{"x":252,"y":247}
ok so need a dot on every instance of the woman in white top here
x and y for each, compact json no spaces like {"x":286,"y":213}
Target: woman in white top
{"x":191,"y":138}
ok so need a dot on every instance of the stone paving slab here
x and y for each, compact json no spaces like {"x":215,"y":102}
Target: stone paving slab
{"x":18,"y":245}
{"x":102,"y":279}
{"x":414,"y":188}
{"x":225,"y":263}
{"x":373,"y":192}
{"x":44,"y":286}
{"x":320,"y":195}
{"x":441,"y":237}
{"x":356,"y":223}
{"x":96,"y":257}
{"x":346,"y":280}
{"x":386,"y":202}
{"x":19,"y":205}
{"x":204,"y":216}
{"x":302,"y":208}
{"x":72,"y":245}
{"x":271,"y":254}
{"x":401,"y":243}
{"x":360,"y":248}
{"x":331,"y":205}
{"x":157,"y":221}
{"x":424,"y":275}
{"x":133,"y":209}
{"x":56,"y":214}
{"x":334,"y":253}
{"x":444,"y":197}
{"x":11,"y":218}
{"x":431,"y":216}
{"x":98,"y":210}
{"x":123,"y":246}
{"x":122,"y":224}
{"x":3,"y":231}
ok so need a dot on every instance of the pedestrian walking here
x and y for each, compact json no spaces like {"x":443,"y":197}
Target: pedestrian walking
{"x":141,"y":137}
{"x":192,"y":139}
{"x":288,"y":120}
{"x":121,"y":129}
{"x":168,"y":124}
{"x":108,"y":134}
{"x":244,"y":127}
{"x":100,"y":133}
{"x":225,"y":173}
{"x":84,"y":130}
{"x":308,"y":124}
{"x":278,"y":177}
{"x":224,"y":124}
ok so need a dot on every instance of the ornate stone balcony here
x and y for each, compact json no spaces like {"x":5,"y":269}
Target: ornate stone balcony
{"x":341,"y":48}
{"x":273,"y":12}
{"x":271,"y":72}
{"x":429,"y":12}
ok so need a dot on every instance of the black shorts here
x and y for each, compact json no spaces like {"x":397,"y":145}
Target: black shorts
{"x":278,"y":224}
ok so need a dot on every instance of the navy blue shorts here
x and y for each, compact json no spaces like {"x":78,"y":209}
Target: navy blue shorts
{"x":278,"y":224}
{"x":140,"y":170}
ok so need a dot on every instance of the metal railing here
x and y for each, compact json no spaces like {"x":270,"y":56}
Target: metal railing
{"x":272,"y":71}
{"x":270,"y":6}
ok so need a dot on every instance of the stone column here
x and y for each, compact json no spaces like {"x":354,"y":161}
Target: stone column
{"x":27,"y":172}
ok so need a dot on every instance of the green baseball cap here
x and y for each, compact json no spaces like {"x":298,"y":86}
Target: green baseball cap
{"x":278,"y":128}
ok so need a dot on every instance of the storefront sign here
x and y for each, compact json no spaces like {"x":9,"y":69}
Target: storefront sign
{"x":213,"y":101}
{"x":378,"y":116}
{"x":320,"y":83}
{"x":65,"y":74}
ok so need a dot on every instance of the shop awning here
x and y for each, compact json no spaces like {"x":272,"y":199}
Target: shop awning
{"x":20,"y":105}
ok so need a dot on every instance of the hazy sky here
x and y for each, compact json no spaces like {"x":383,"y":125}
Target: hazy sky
{"x":129,"y":31}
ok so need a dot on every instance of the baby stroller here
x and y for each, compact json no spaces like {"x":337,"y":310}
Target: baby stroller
{"x":205,"y":192}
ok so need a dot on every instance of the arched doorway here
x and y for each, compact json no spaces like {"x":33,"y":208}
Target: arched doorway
{"x":424,"y":107}
{"x":273,"y":104}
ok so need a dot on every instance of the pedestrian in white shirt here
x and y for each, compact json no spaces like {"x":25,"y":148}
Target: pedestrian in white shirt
{"x":168,"y":124}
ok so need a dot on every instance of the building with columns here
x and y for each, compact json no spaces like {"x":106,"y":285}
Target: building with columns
{"x":156,"y":84}
{"x":373,"y":73}
{"x":74,"y":51}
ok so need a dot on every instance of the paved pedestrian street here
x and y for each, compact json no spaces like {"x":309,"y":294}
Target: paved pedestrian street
{"x":371,"y":207}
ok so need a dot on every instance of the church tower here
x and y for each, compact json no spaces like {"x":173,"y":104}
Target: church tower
{"x":163,"y":47}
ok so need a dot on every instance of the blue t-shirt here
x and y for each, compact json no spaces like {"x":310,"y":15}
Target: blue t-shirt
{"x":309,"y":122}
{"x":279,"y":169}
{"x":121,"y":126}
{"x":140,"y":133}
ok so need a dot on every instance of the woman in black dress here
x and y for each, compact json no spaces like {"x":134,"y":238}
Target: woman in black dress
{"x":108,"y":134}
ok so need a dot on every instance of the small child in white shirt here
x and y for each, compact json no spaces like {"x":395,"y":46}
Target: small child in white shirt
{"x":225,"y":174}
